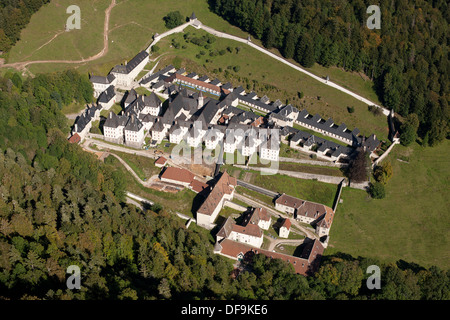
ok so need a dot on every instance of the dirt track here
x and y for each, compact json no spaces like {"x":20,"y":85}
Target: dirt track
{"x":21,"y":65}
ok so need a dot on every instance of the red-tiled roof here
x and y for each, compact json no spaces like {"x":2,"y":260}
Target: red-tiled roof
{"x":249,"y":229}
{"x":75,"y":138}
{"x":305,"y":208}
{"x":327,"y":220}
{"x":225,"y":185}
{"x":198,"y":186}
{"x":257,"y":215}
{"x":286,"y":223}
{"x":178,"y":174}
{"x":161,"y":161}
{"x":196,"y":82}
{"x":306,"y":265}
{"x":263,"y":214}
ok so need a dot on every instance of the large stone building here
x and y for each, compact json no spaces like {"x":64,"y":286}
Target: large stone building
{"x":222,"y":190}
{"x":107,"y":98}
{"x":316,"y":214}
{"x":125,"y":74}
{"x":250,"y":234}
{"x":101,"y":83}
{"x":83,"y":123}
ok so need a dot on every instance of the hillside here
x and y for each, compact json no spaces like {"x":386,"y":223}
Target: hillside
{"x":129,"y":35}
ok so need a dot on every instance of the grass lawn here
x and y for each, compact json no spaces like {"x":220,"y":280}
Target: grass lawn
{"x":411,"y":223}
{"x":73,"y":45}
{"x":255,"y":195}
{"x":287,"y":152}
{"x":310,"y":190}
{"x":300,"y":167}
{"x":353,"y":81}
{"x":287,"y":249}
{"x":131,"y":27}
{"x":73,"y":108}
{"x":142,"y":91}
{"x":144,"y":167}
{"x":227,"y":212}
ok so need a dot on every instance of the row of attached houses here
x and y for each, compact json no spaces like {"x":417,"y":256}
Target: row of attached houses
{"x":279,"y":114}
{"x":250,"y":230}
{"x":287,"y":115}
{"x":195,"y":119}
{"x":316,"y":214}
{"x":177,"y":123}
{"x":282,"y":116}
{"x":83,"y":123}
{"x":136,"y":120}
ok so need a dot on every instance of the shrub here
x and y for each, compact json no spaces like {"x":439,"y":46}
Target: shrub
{"x":383,"y":173}
{"x":351,"y":109}
{"x":376,"y":190}
{"x":375,"y":110}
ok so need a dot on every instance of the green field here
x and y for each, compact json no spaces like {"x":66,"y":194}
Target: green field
{"x":132,"y":25}
{"x":144,"y":167}
{"x":411,"y":223}
{"x":311,"y":190}
{"x":50,"y":21}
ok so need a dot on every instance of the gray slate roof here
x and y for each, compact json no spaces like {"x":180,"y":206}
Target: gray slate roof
{"x":114,"y":121}
{"x":103,"y":80}
{"x":134,"y":124}
{"x":107,"y":95}
{"x":133,"y":63}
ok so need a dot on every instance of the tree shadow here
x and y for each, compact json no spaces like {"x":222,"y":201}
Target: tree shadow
{"x":404,"y":265}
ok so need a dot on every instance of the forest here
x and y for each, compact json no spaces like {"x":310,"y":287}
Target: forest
{"x":407,"y":58}
{"x":60,"y":206}
{"x":14,"y":16}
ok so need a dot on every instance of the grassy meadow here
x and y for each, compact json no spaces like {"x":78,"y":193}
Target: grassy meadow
{"x":411,"y":223}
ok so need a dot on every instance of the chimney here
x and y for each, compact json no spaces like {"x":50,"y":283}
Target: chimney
{"x":200,"y":100}
{"x":76,"y":127}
